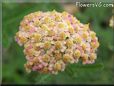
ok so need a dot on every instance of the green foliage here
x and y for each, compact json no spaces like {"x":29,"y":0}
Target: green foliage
{"x":14,"y":59}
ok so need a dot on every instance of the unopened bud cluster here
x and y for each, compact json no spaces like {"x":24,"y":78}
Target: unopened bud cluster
{"x":52,"y":40}
{"x":111,"y":22}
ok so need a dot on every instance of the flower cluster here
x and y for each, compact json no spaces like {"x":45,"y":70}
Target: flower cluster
{"x":52,"y":40}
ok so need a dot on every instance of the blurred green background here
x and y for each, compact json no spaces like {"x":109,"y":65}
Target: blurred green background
{"x":13,"y":59}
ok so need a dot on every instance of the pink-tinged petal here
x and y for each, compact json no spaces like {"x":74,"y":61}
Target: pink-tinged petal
{"x":30,"y":46}
{"x":32,"y":30}
{"x":44,"y":64}
{"x":34,"y":68}
{"x":50,"y":68}
{"x":40,"y":66}
{"x":94,"y":40}
{"x":16,"y":39}
{"x":54,"y":37}
{"x":80,"y":49}
{"x":73,"y":25}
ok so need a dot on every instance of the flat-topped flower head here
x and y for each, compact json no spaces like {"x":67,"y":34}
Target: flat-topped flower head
{"x":52,"y":40}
